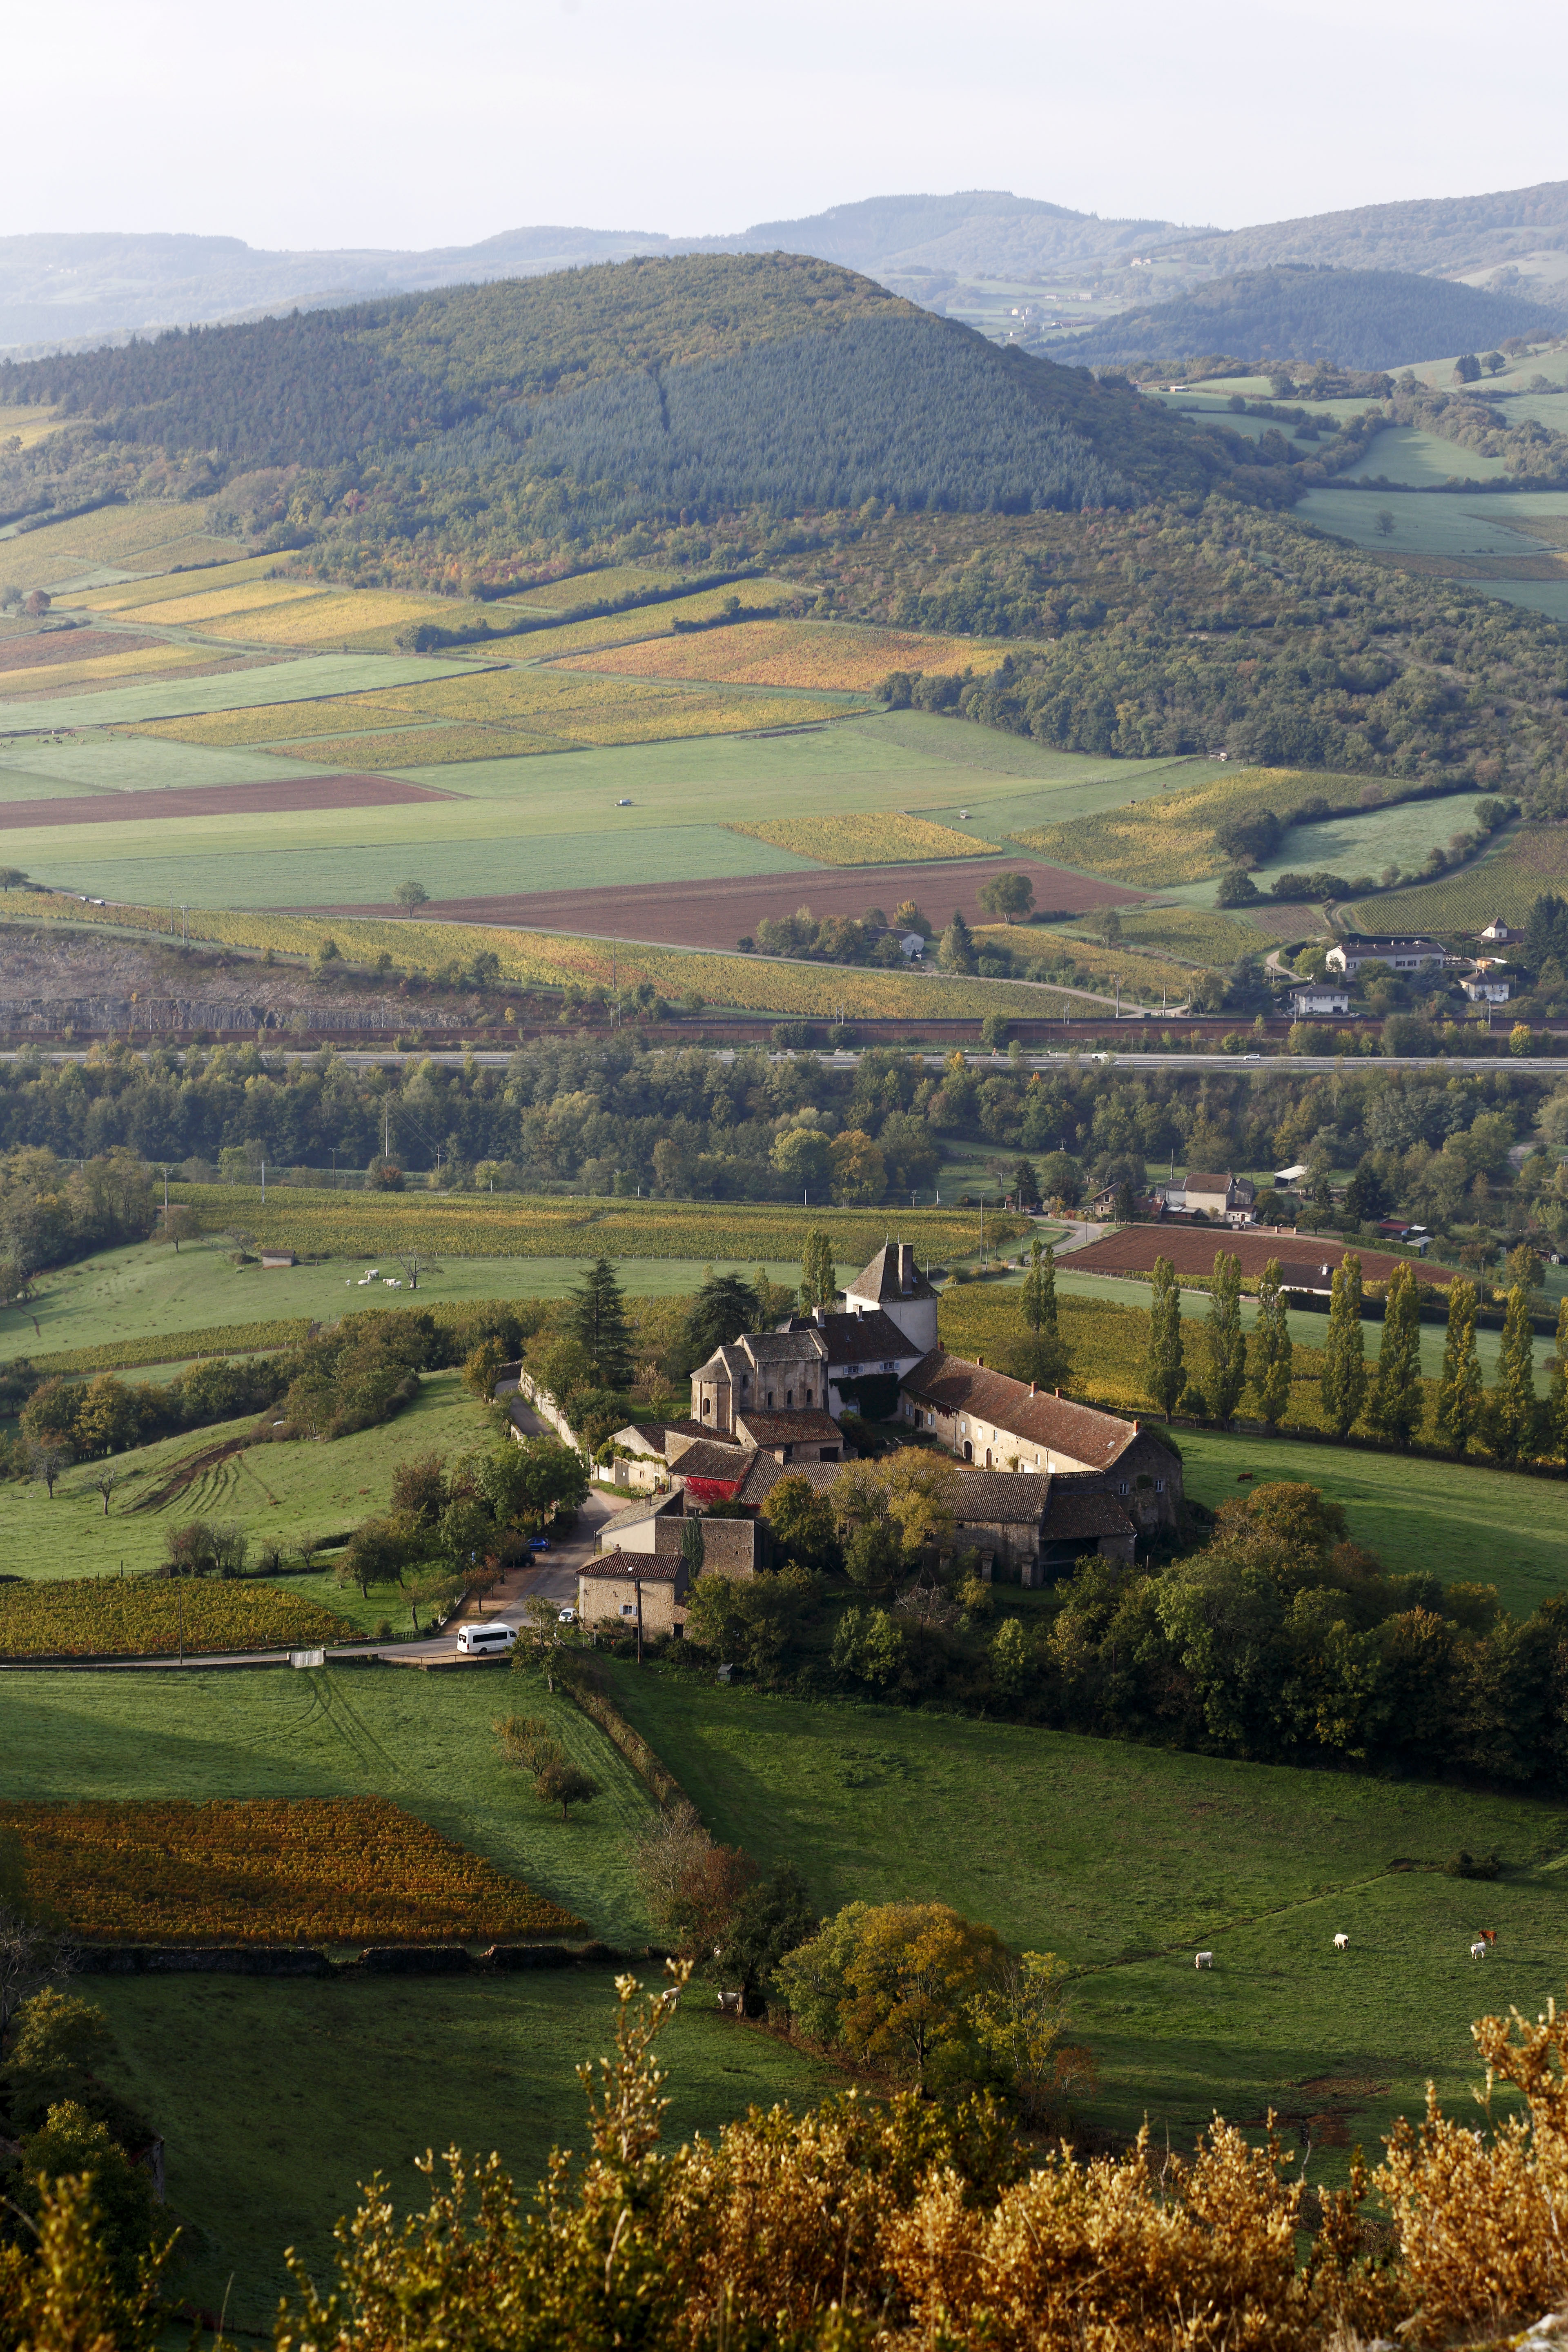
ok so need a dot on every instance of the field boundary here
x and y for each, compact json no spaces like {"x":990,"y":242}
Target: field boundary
{"x":589,"y":1694}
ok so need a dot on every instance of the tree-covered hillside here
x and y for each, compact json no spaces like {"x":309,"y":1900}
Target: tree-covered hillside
{"x":504,"y":424}
{"x":1360,"y":318}
{"x":1446,"y":234}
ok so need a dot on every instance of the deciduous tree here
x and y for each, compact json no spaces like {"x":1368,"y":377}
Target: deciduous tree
{"x":1271,"y":1349}
{"x":1394,"y":1406}
{"x":1343,"y":1382}
{"x":1163,"y":1372}
{"x":1224,"y":1341}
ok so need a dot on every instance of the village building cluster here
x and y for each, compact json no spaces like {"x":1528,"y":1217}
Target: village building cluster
{"x":1039,"y":1480}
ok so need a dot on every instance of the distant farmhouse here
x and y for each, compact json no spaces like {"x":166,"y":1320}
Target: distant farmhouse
{"x":1349,"y":954}
{"x":1039,"y":1480}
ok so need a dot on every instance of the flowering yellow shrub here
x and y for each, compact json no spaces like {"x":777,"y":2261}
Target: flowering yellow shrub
{"x":135,"y":1617}
{"x":890,"y":840}
{"x":265,"y":1870}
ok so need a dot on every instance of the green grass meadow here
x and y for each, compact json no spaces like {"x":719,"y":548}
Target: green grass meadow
{"x":278,"y":2100}
{"x":1126,"y":1859}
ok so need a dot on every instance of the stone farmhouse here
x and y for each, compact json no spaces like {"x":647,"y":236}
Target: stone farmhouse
{"x":1041,"y":1480}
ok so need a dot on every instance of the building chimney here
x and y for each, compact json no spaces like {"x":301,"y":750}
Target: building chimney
{"x":980,"y":1362}
{"x":1058,"y":1391}
{"x":819,"y":1316}
{"x":1031,"y":1388}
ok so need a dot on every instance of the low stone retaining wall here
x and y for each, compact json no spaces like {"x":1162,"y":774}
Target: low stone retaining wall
{"x":376,"y":1960}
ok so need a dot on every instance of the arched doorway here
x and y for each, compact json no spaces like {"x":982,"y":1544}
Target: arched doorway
{"x":968,"y":1451}
{"x":988,"y":1457}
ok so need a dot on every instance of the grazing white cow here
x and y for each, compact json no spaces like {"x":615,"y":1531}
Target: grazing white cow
{"x":1203,"y":1961}
{"x":1478,"y":1951}
{"x":1342,"y":1943}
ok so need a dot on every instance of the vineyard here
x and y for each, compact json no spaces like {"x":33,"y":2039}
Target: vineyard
{"x":531,"y":958}
{"x":492,"y":1224}
{"x":279,"y":721}
{"x":1107,"y":1342}
{"x":267,"y":1870}
{"x":645,"y":621}
{"x":1507,"y":883}
{"x":889,"y":840}
{"x":219,"y":603}
{"x":338,"y":617}
{"x":106,"y":1616}
{"x":1170,"y":839}
{"x":62,"y":676}
{"x":1076,"y":962}
{"x":418,"y":747}
{"x":794,"y":653}
{"x":597,"y":587}
{"x":1189,"y":933}
{"x":160,"y":588}
{"x":121,"y":536}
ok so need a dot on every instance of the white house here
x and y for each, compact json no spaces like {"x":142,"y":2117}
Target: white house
{"x":1229,"y":1198}
{"x":1308,"y":1003}
{"x":1486,"y":987}
{"x":1349,"y":954}
{"x":1500,"y":932}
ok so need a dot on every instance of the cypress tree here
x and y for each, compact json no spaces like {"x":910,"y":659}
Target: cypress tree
{"x":1559,"y":1405}
{"x":1271,"y":1349}
{"x":595,"y":1318}
{"x":957,"y":952}
{"x":1342,"y":1384}
{"x":818,"y":1275}
{"x":1224,"y":1338}
{"x":1163,"y":1373}
{"x":1460,"y":1387}
{"x":1043,"y":1358}
{"x":1513,"y":1405}
{"x":1395,"y":1403}
{"x":1039,"y":1296}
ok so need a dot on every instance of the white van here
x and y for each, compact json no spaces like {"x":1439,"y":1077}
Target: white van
{"x":486,"y":1641}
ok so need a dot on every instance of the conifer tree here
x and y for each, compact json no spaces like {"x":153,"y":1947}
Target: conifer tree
{"x":595,"y":1318}
{"x":818,"y":1275}
{"x":1395,"y":1403}
{"x":1271,"y":1349}
{"x":1342,"y":1384}
{"x":1459,"y":1386}
{"x":1224,"y":1338}
{"x":1559,"y":1402}
{"x":1513,"y":1404}
{"x":1163,"y":1373}
{"x":1043,"y":1358}
{"x":957,"y":952}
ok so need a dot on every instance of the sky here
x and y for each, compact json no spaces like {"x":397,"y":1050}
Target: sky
{"x":318,"y":122}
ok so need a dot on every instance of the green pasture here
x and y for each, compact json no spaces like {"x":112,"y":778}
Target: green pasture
{"x":1548,"y":596}
{"x":1420,"y":460}
{"x":423,"y":1740}
{"x":1352,"y":846}
{"x":1465,"y":1525}
{"x":278,"y":1494}
{"x":1433,"y":525}
{"x":278,"y":2100}
{"x":181,"y":698}
{"x":86,"y":766}
{"x":551,"y":821}
{"x":1124,"y":1860}
{"x":147,"y":1290}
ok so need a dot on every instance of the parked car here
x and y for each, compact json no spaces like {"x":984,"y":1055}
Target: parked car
{"x":539,"y":1543}
{"x":568,"y":1617}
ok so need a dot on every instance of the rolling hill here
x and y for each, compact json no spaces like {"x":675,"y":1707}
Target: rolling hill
{"x":631,"y":394}
{"x":1293,"y":310}
{"x":1516,"y":238}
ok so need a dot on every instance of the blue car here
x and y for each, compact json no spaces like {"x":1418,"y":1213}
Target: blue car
{"x":539,"y":1543}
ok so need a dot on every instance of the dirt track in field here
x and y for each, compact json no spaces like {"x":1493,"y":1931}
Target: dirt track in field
{"x":715,"y":914}
{"x":220,"y":800}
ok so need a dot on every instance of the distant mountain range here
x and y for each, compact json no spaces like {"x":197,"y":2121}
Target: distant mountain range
{"x":72,"y":291}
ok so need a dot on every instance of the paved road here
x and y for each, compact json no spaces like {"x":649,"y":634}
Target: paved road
{"x":552,"y":1576}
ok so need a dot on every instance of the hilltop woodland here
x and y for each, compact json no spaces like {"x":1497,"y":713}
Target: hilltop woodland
{"x":725,"y":413}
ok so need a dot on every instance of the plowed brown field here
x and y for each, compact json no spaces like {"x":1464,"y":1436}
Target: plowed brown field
{"x":716,"y":913}
{"x":70,"y":646}
{"x":1192,"y":1250}
{"x":221,"y":800}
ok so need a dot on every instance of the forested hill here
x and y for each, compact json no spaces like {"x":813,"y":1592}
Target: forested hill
{"x":1446,"y":234}
{"x":1372,"y":318}
{"x":507,"y":420}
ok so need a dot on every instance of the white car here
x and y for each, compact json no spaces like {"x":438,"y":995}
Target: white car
{"x":568,"y":1617}
{"x":486,"y":1641}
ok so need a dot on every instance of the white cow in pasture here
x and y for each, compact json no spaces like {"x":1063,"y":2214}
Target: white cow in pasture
{"x":1203,"y":1961}
{"x":1342,"y":1943}
{"x":1478,"y":1951}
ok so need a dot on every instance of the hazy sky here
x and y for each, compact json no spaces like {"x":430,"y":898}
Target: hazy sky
{"x":314,"y":122}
